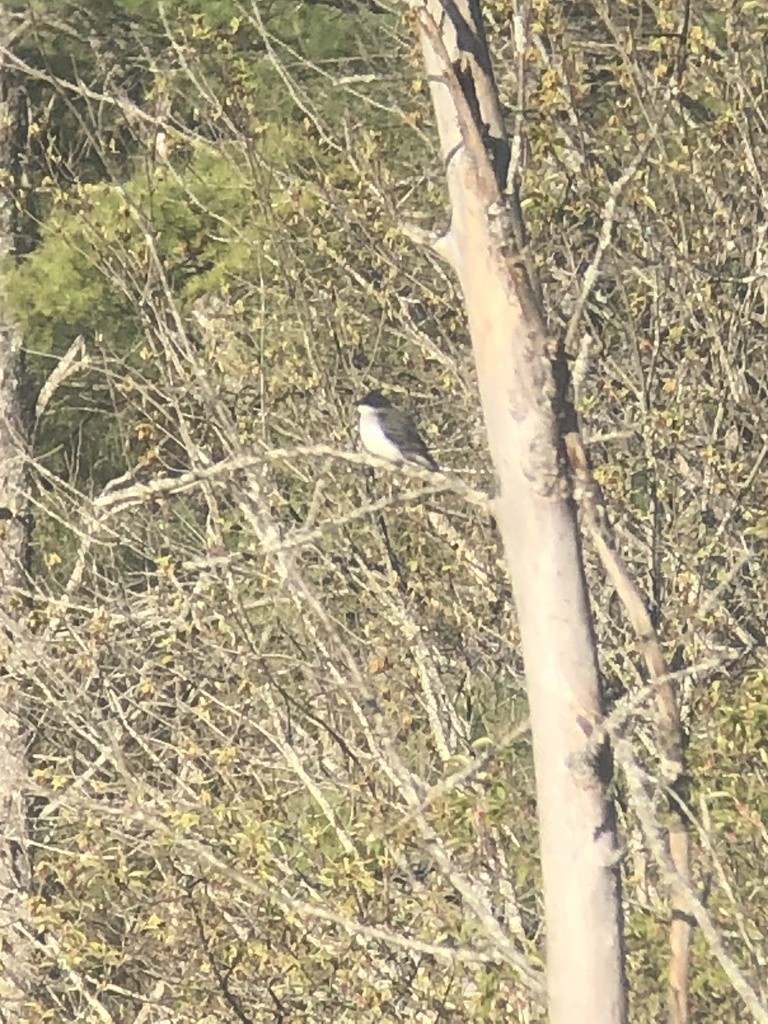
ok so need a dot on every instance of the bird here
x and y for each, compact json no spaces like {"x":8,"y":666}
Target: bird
{"x":390,"y":434}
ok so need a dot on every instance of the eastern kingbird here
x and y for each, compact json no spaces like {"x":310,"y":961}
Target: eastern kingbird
{"x":391,"y":434}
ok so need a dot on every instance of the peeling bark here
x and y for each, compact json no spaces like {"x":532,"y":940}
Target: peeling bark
{"x":536,"y":517}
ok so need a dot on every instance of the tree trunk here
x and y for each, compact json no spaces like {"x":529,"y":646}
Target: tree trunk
{"x":536,"y":517}
{"x":16,"y":970}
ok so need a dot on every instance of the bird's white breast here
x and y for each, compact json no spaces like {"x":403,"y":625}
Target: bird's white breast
{"x":374,"y":439}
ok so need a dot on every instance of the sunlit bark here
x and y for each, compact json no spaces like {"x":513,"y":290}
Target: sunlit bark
{"x":537,"y":521}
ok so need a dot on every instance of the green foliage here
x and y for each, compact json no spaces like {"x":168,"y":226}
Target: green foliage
{"x":199,"y":221}
{"x":60,"y":289}
{"x":277,"y":697}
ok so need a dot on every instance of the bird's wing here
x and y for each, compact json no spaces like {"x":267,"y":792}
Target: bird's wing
{"x":402,"y":430}
{"x":413,"y":442}
{"x":411,"y":436}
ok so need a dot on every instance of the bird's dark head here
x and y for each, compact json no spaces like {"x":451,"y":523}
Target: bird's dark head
{"x":374,"y":400}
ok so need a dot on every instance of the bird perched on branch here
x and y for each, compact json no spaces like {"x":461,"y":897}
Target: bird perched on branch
{"x":391,"y":434}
